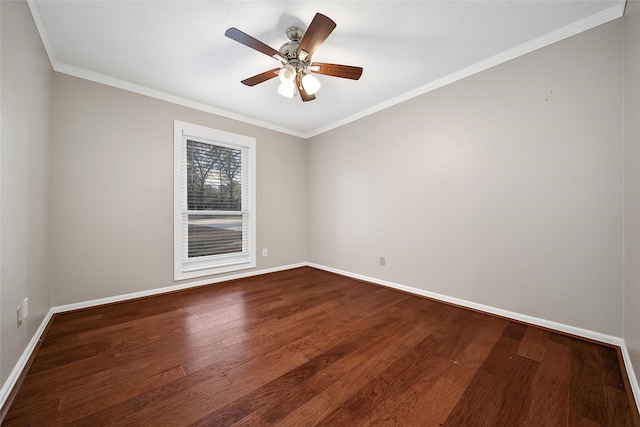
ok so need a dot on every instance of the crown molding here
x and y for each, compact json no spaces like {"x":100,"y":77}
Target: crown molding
{"x":577,"y":27}
{"x":614,"y":12}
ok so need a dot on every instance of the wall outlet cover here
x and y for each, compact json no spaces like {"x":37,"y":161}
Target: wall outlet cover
{"x":19,"y":316}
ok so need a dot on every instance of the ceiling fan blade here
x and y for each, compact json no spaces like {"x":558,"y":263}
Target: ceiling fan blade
{"x":245,"y":39}
{"x":318,"y":31}
{"x":336,"y":70}
{"x":303,"y":93}
{"x":262,"y":77}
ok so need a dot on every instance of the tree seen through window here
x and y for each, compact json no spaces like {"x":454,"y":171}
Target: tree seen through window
{"x":214,"y":184}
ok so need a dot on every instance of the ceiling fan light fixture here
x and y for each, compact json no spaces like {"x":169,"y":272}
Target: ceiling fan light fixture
{"x":310,"y":83}
{"x":287,"y":89}
{"x":287,"y":74}
{"x":295,"y":59}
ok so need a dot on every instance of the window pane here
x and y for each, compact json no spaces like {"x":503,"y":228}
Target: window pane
{"x":213,"y":177}
{"x":214,"y":234}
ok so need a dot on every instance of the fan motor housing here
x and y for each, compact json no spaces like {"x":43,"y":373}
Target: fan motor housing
{"x":290,"y":50}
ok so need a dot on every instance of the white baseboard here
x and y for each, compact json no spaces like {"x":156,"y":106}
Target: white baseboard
{"x":22,"y":361}
{"x":633,"y":379}
{"x":181,"y":286}
{"x":584,"y":333}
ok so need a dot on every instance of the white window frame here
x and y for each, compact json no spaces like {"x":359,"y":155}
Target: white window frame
{"x":184,"y":267}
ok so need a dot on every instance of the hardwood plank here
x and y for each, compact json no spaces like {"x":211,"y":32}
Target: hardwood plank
{"x":104,"y":396}
{"x":238,"y":373}
{"x":587,"y":384}
{"x":611,"y":368}
{"x":427,"y":402}
{"x":271,"y":349}
{"x":433,"y":407}
{"x":396,"y":379}
{"x":103,"y":416}
{"x":204,"y":397}
{"x":473,"y":356}
{"x":499,"y":394}
{"x":283,"y":389}
{"x":79,"y":352}
{"x":516,"y":330}
{"x":533,"y":344}
{"x":305,"y":347}
{"x":30,"y":409}
{"x":356,"y":390}
{"x":577,"y":420}
{"x":88,"y":402}
{"x":364,"y":364}
{"x":308,"y":385}
{"x":550,"y":388}
{"x":31,"y":391}
{"x":55,"y":378}
{"x":618,"y":411}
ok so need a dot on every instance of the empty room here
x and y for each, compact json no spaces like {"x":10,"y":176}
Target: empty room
{"x":332,"y":213}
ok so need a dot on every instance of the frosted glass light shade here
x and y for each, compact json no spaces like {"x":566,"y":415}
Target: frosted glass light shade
{"x":310,"y":83}
{"x":287,"y":89}
{"x":287,"y":74}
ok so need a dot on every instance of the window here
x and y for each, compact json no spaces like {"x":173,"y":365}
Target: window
{"x":214,"y":201}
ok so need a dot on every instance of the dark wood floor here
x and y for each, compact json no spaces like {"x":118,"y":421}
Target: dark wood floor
{"x":305,"y":347}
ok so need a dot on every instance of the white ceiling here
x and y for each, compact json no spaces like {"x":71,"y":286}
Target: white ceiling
{"x":177,"y":51}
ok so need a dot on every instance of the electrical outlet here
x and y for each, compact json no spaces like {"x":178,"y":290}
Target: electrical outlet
{"x":265,"y":253}
{"x":19,"y":316}
{"x":25,"y":308}
{"x":382,"y":261}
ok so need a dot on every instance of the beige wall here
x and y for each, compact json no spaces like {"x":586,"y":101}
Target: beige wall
{"x":112,"y":191}
{"x":631,"y":332}
{"x":25,"y":184}
{"x":503,"y":189}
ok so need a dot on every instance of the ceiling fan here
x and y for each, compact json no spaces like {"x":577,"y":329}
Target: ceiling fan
{"x":295,"y":57}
